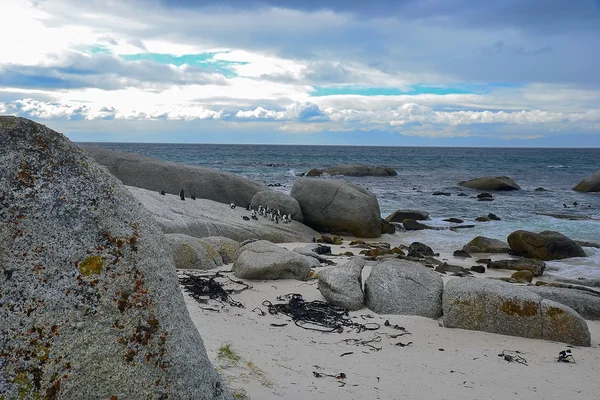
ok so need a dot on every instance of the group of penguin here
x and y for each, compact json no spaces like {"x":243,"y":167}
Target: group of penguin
{"x":266,"y":212}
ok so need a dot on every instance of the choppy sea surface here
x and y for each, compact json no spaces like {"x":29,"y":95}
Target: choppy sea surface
{"x":424,"y":170}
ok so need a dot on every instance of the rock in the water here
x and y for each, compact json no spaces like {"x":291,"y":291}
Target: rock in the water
{"x":403,"y":287}
{"x":583,"y":243}
{"x":279,"y":201}
{"x":491,"y":183}
{"x":90,"y":303}
{"x":546,"y":245}
{"x":156,"y":175}
{"x":438,"y":193}
{"x":401,"y":215}
{"x":585,"y":303}
{"x":412,"y":225}
{"x":387,"y":227}
{"x":338,"y":207}
{"x":541,"y":189}
{"x":482,"y":244}
{"x":536,"y":267}
{"x":461,"y":253}
{"x":590,"y":183}
{"x":202,"y":218}
{"x":342,"y":286}
{"x":482,"y":219}
{"x":523,"y":276}
{"x":454,"y":220}
{"x":191,"y":253}
{"x":353,"y":170}
{"x":418,"y":249}
{"x":499,"y":307}
{"x":480,"y":269}
{"x":493,"y":217}
{"x":264,"y":260}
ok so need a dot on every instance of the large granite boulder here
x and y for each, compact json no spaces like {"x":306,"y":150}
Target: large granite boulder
{"x":404,"y":287}
{"x":189,"y":252}
{"x":401,"y":215}
{"x":152,"y":174}
{"x":590,"y":183}
{"x":353,"y":170}
{"x":491,"y":183}
{"x":264,"y":260}
{"x":482,"y":244}
{"x":546,"y":245}
{"x":342,"y":286}
{"x":202,"y":218}
{"x":500,"y":307}
{"x":280,"y":201}
{"x":585,"y":303}
{"x":535,"y":266}
{"x":90,"y":305}
{"x":338,"y":207}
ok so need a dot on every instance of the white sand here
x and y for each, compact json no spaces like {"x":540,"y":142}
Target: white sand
{"x":278,"y":362}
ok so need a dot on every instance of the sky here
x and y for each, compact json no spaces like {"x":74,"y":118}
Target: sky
{"x":381,"y":72}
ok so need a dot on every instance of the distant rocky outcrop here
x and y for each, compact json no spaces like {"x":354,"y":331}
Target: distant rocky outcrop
{"x":152,"y":174}
{"x":90,"y":306}
{"x":499,"y":307}
{"x":338,"y":207}
{"x":342,"y":286}
{"x":401,"y":215}
{"x":482,"y":244}
{"x":202,"y":218}
{"x":279,"y":201}
{"x":264,"y":260}
{"x":546,"y":245}
{"x":353,"y":170}
{"x":491,"y":183}
{"x":404,"y":287}
{"x":590,"y":183}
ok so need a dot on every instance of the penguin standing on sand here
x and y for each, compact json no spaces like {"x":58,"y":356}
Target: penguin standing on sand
{"x":232,"y":206}
{"x":162,"y":192}
{"x":182,"y":195}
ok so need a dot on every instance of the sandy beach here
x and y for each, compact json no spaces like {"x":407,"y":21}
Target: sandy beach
{"x":289,"y":362}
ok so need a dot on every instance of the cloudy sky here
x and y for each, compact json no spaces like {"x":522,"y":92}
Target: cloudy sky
{"x":379,"y":72}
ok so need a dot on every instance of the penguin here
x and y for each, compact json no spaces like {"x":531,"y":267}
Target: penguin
{"x":278,"y":213}
{"x":253,"y":214}
{"x":565,"y":206}
{"x":246,"y":218}
{"x":232,"y":206}
{"x":182,"y":195}
{"x":575,"y":204}
{"x":254,"y":217}
{"x":290,"y":217}
{"x":276,"y":219}
{"x":162,"y":192}
{"x":248,"y":207}
{"x":193,"y":197}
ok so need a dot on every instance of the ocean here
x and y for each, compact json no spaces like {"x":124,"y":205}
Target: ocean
{"x":425,"y":170}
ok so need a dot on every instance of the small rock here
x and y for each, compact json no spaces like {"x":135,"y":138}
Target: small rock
{"x":493,"y":217}
{"x":454,"y":220}
{"x":478,"y":268}
{"x":417,"y":249}
{"x":461,"y":253}
{"x":483,"y":219}
{"x":441,"y":193}
{"x":523,"y":276}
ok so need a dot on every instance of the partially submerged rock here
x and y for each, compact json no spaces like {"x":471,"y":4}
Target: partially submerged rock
{"x":353,"y":170}
{"x":264,"y":260}
{"x":405,"y":288}
{"x":590,"y":183}
{"x":338,"y":207}
{"x":90,"y":304}
{"x":482,"y":244}
{"x":156,"y":175}
{"x":536,"y":267}
{"x":546,"y":245}
{"x":342,"y":286}
{"x":401,"y":215}
{"x":491,"y":183}
{"x":499,"y":307}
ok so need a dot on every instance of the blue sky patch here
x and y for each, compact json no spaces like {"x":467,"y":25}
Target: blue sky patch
{"x":203,"y":60}
{"x":411,"y":90}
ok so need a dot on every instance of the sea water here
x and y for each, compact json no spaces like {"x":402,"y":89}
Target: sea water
{"x":425,"y":170}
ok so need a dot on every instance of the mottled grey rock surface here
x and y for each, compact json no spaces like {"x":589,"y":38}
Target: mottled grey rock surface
{"x":226,"y":247}
{"x":278,"y":200}
{"x":546,"y":245}
{"x":353,"y":170}
{"x":585,"y":303}
{"x":153,"y":174}
{"x":202,"y":218}
{"x":536,"y":267}
{"x":264,"y":260}
{"x":401,"y":215}
{"x":338,"y":207}
{"x":500,"y":307}
{"x":491,"y":183}
{"x":342,"y":286}
{"x":90,"y":306}
{"x":590,"y":183}
{"x":405,"y":288}
{"x":482,"y":244}
{"x":192,"y":253}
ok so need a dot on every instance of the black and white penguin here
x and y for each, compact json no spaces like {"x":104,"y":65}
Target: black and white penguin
{"x":253,"y":214}
{"x":248,"y":207}
{"x":276,"y":219}
{"x":162,"y":192}
{"x":193,"y":197}
{"x":232,"y":206}
{"x":289,"y":217}
{"x":182,"y":195}
{"x":246,"y":218}
{"x":254,"y":217}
